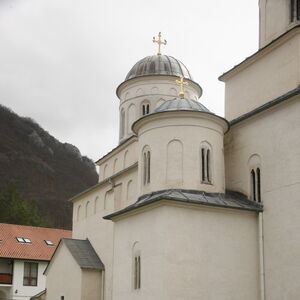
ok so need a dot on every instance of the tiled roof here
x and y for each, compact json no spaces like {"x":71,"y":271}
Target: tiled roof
{"x":37,"y":249}
{"x":84,"y":254}
{"x":230,"y":199}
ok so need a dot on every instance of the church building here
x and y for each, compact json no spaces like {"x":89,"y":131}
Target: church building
{"x":191,"y":205}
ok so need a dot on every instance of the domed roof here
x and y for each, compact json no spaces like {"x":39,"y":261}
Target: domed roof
{"x":181,"y":104}
{"x":159,"y":65}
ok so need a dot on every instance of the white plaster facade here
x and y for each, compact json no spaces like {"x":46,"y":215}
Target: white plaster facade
{"x":17,"y":290}
{"x":196,"y":250}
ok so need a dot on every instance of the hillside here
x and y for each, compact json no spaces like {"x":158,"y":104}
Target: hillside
{"x":44,"y":170}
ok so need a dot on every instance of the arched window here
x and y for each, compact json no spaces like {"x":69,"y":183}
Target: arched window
{"x":206,"y":164}
{"x":145,"y":108}
{"x":255,"y":185}
{"x":255,"y":177}
{"x":146,"y":166}
{"x":122,"y":123}
{"x":295,"y":10}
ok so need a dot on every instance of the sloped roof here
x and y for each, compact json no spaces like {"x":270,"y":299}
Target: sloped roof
{"x":230,"y":199}
{"x":37,"y":249}
{"x":84,"y":254}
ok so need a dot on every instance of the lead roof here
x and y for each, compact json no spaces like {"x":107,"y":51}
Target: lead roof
{"x":230,"y":199}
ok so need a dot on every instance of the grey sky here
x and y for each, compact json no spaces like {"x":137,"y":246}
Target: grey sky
{"x":62,"y":60}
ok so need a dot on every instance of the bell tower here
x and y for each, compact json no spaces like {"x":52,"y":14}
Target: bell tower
{"x":276,"y":17}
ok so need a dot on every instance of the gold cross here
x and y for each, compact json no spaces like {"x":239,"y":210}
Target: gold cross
{"x":182,"y":83}
{"x":159,"y":42}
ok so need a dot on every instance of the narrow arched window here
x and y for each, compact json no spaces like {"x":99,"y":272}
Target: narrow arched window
{"x":253,"y":185}
{"x":206,"y":174}
{"x":145,"y":109}
{"x":258,"y":184}
{"x":146,"y":166}
{"x":295,"y":10}
{"x":137,"y":272}
{"x":122,"y":123}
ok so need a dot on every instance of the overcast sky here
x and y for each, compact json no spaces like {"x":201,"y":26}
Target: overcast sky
{"x":62,"y":60}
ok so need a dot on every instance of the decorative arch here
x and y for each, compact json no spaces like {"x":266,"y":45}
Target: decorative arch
{"x":105,"y":170}
{"x":159,"y":102}
{"x":127,"y":96}
{"x":129,"y":194}
{"x":109,"y":200}
{"x":173,"y":92}
{"x":145,"y":107}
{"x":154,"y":90}
{"x":139,"y":92}
{"x":175,"y":161}
{"x":79,"y":213}
{"x":206,"y":162}
{"x":126,"y":163}
{"x":122,"y":123}
{"x":254,"y":170}
{"x":146,"y":165}
{"x":116,"y":166}
{"x":96,"y":204}
{"x":131,"y":116}
{"x":88,"y":209}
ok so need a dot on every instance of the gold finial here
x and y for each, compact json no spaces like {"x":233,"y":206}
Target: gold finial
{"x":182,"y":83}
{"x":159,"y":42}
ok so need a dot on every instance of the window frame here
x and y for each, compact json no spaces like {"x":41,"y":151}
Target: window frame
{"x":206,"y":172}
{"x":32,"y":280}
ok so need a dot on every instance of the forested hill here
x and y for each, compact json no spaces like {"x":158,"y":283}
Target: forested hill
{"x":44,"y":171}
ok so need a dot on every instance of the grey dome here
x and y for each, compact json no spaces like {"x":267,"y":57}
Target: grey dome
{"x":181,"y":104}
{"x":159,"y":65}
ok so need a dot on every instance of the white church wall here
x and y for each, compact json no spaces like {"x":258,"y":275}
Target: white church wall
{"x":274,"y":19}
{"x":265,"y":77}
{"x":187,"y":130}
{"x":91,"y":285}
{"x":62,"y":267}
{"x":121,"y":158}
{"x":187,"y":252}
{"x":152,"y":90}
{"x":274,"y":136}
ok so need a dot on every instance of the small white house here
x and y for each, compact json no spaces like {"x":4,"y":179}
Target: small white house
{"x":24,"y":254}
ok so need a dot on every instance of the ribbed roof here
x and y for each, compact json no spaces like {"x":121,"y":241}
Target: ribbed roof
{"x":181,"y":104}
{"x":84,"y":254}
{"x":230,"y":199}
{"x":159,"y":65}
{"x":37,"y":249}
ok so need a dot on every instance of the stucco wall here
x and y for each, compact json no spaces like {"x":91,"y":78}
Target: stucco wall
{"x":19,"y":291}
{"x":91,"y":285}
{"x":187,"y":253}
{"x":155,"y":91}
{"x":189,"y":130}
{"x":269,"y":76}
{"x":63,"y":276}
{"x":273,"y":136}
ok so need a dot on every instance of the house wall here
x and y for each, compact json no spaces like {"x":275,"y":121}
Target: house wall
{"x":187,"y":252}
{"x":274,"y":137}
{"x":269,"y":75}
{"x":63,"y":267}
{"x":19,"y":291}
{"x":91,"y":285}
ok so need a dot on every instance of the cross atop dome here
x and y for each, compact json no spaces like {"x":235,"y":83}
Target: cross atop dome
{"x":182,"y":83}
{"x":159,"y":42}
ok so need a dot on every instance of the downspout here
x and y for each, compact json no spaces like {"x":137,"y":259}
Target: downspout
{"x":261,"y":256}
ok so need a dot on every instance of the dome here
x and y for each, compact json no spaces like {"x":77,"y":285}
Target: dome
{"x":159,"y":65}
{"x":181,"y":104}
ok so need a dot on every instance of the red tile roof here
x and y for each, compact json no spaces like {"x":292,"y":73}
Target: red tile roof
{"x":37,"y":249}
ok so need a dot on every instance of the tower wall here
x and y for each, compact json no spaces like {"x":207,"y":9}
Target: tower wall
{"x":152,"y":90}
{"x":174,"y":140}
